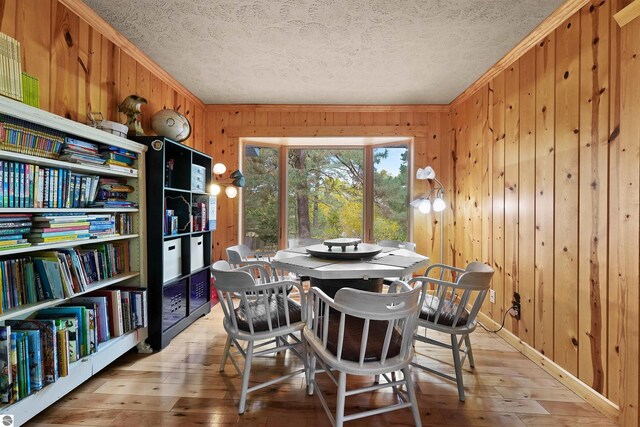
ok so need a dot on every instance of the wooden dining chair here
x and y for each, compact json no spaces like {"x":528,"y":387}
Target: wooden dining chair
{"x":451,"y":307}
{"x":261,"y":319}
{"x":362,"y":333}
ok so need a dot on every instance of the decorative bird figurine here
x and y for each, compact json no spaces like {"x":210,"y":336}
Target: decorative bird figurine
{"x":131,"y":108}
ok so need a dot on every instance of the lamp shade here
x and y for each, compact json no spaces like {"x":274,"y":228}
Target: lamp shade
{"x":214,"y":189}
{"x":425,"y":206}
{"x":231,"y":191}
{"x":219,"y":168}
{"x":439,"y":205}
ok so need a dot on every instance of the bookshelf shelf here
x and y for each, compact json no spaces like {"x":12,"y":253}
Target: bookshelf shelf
{"x":25,"y":310}
{"x":69,"y":244}
{"x":136,"y":248}
{"x":75,"y":167}
{"x":79,"y":372}
{"x":86,"y":210}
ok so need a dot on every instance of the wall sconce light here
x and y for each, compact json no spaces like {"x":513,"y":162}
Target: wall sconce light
{"x":432,"y":200}
{"x":231,"y":184}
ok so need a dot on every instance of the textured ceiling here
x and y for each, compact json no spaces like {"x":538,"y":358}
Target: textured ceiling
{"x":325,"y":51}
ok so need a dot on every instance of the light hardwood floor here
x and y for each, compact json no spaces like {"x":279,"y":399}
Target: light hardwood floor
{"x":181,"y":386}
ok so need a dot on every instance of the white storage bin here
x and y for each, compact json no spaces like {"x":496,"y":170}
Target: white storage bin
{"x":198,"y":178}
{"x":172,"y":255}
{"x":197,"y":252}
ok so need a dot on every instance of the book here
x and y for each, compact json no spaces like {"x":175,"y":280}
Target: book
{"x":48,"y":336}
{"x":75,"y":326}
{"x":89,"y":311}
{"x":6,"y":378}
{"x":102,"y":314}
{"x":34,"y":363}
{"x":62,"y":338}
{"x":14,"y":367}
{"x":23,"y":365}
{"x":114,"y":305}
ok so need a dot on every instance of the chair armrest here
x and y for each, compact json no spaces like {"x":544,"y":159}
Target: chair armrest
{"x":398,"y":286}
{"x":443,"y":268}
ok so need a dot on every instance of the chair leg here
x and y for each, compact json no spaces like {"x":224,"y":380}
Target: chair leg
{"x":311,"y":363}
{"x":458,"y":366}
{"x":340,"y":398}
{"x":467,"y":343}
{"x":245,"y":377}
{"x":412,"y":397}
{"x":225,"y":353}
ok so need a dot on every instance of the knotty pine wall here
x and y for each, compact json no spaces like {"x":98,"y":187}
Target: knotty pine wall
{"x":429,"y":126}
{"x":546,"y":185}
{"x":81,"y":68}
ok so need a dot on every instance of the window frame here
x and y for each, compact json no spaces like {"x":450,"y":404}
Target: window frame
{"x":368,"y":208}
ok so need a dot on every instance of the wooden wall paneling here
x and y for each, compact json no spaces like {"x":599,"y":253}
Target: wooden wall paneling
{"x":475,"y":200}
{"x":197,"y":128}
{"x":406,"y":118}
{"x":379,"y":119}
{"x":455,"y":193}
{"x":593,"y":220}
{"x":567,"y":137}
{"x":511,"y":187}
{"x":366,"y":119}
{"x":94,"y":69}
{"x":233,"y":163}
{"x":421,"y":221}
{"x":84,"y":72}
{"x":628,"y":221}
{"x":487,"y":184}
{"x":8,"y":17}
{"x":262,"y":118}
{"x":498,"y":165}
{"x":615,"y":188}
{"x":526,"y":196}
{"x":353,"y":118}
{"x":189,"y":113}
{"x":168,"y":97}
{"x":154,"y":101}
{"x":545,"y":154}
{"x":466,"y":166}
{"x":127,"y":83}
{"x":393,"y":119}
{"x":108,"y":78}
{"x":143,"y":89}
{"x":64,"y":63}
{"x":447,"y":181}
{"x":33,"y":30}
{"x":340,"y":118}
{"x":433,"y":144}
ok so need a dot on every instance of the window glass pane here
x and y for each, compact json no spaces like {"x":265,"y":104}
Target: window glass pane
{"x":261,"y":197}
{"x":390,"y":186}
{"x":325,"y":190}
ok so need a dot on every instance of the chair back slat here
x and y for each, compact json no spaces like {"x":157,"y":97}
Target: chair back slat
{"x":455,"y":303}
{"x":380,"y":323}
{"x":265,"y":304}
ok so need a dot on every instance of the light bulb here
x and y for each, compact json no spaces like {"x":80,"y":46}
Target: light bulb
{"x":231,"y":191}
{"x":219,"y":169}
{"x":214,"y":189}
{"x":439,"y":205}
{"x":425,"y":206}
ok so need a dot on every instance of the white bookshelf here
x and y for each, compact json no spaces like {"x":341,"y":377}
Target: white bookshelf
{"x":80,"y":371}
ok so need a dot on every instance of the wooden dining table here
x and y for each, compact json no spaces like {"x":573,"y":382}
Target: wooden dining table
{"x":367,"y":273}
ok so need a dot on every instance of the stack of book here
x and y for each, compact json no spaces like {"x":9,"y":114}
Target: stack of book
{"x":59,"y":227}
{"x":102,"y":225}
{"x":13,"y":229}
{"x":118,"y":158}
{"x":124,"y":223}
{"x":11,"y":65}
{"x":112,"y":193}
{"x":25,"y":137}
{"x":38,"y":351}
{"x":77,"y":151}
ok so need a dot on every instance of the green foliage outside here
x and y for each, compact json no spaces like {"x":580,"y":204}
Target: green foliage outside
{"x":325,"y":195}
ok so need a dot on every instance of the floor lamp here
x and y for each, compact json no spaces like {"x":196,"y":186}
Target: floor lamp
{"x":432,"y":200}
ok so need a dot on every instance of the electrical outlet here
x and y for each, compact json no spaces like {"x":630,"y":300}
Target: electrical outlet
{"x":492,"y":296}
{"x":516,"y":312}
